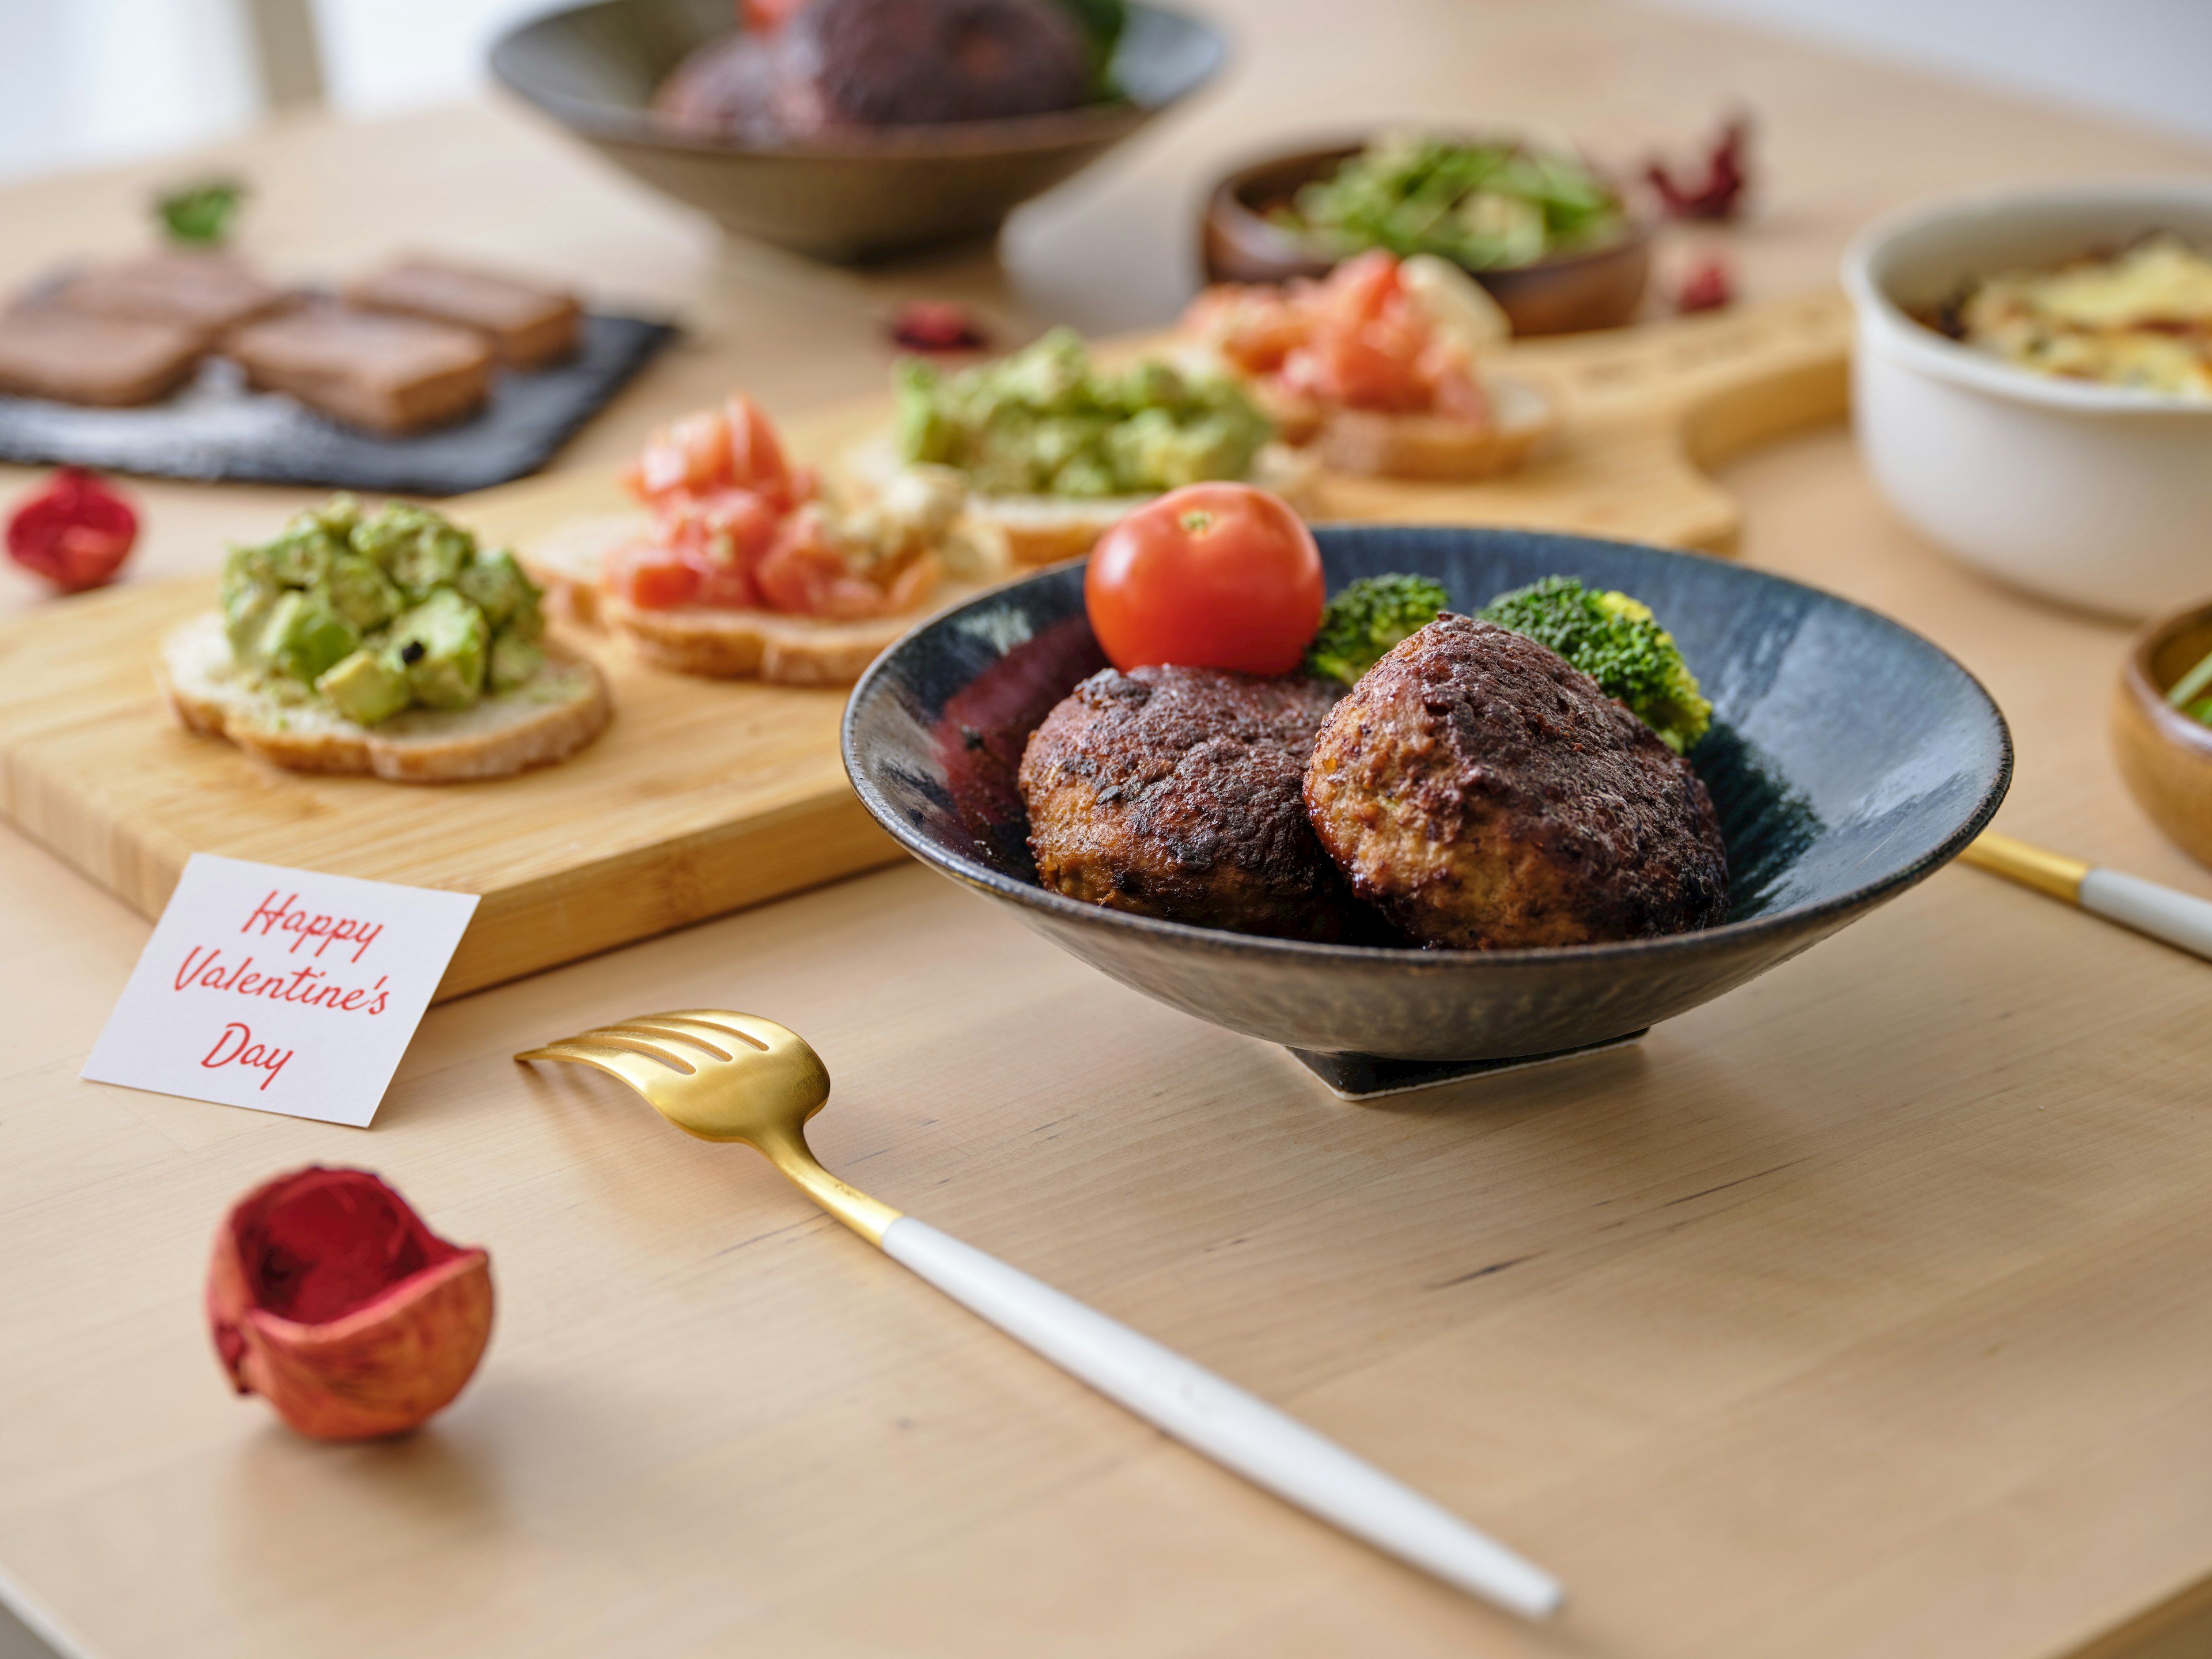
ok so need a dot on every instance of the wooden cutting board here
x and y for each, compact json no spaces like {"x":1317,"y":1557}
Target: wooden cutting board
{"x":706,"y":796}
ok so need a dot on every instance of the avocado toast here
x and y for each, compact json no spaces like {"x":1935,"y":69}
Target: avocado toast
{"x":1056,"y":450}
{"x":385,"y":643}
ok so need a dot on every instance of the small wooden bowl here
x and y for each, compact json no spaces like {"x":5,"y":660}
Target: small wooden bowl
{"x":1598,"y":287}
{"x":2165,"y":756}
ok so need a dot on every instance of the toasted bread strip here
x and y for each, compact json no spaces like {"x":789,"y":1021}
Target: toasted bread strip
{"x":207,"y":292}
{"x":526,"y":323}
{"x":546,"y":721}
{"x":390,"y":374}
{"x":81,"y":357}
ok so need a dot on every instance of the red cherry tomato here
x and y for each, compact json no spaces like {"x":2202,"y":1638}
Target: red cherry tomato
{"x":1212,"y":576}
{"x":75,"y":531}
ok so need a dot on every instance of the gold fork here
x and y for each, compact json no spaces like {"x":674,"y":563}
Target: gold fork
{"x":725,"y":1076}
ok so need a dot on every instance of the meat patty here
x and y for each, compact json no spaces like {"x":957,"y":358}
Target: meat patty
{"x":905,"y":63}
{"x":1177,"y":793}
{"x":1486,"y":795}
{"x":844,"y":64}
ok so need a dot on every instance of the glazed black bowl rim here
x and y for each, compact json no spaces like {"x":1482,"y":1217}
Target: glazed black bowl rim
{"x":1637,"y":226}
{"x":1794,"y":919}
{"x":1095,"y":122}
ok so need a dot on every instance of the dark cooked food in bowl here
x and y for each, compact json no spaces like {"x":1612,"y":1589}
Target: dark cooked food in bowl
{"x":840,"y":64}
{"x":1847,"y":759}
{"x":1177,"y":792}
{"x":1486,"y":795}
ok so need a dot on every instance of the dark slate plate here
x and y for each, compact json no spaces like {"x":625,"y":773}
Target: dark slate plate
{"x":1849,"y":758}
{"x":220,"y":429}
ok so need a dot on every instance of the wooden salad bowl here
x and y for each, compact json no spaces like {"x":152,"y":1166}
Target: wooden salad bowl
{"x":2166,"y":757}
{"x":1598,"y":287}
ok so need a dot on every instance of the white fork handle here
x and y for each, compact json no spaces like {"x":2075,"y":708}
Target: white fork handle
{"x":2165,"y":913}
{"x":1225,"y":1423}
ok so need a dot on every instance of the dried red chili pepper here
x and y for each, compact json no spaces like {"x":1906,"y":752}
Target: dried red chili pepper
{"x":938,"y":325}
{"x":1708,"y":287}
{"x":75,"y":531}
{"x":1719,"y":193}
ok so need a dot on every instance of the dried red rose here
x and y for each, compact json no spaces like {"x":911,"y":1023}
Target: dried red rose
{"x":1718,"y":194}
{"x":331,"y":1298}
{"x":73,"y":530}
{"x":938,"y":325}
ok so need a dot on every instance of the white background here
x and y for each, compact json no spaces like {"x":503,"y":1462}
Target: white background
{"x":83,"y":81}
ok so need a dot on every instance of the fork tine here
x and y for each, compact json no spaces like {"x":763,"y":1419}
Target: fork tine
{"x":679,"y":1031}
{"x":627,"y":1064}
{"x":637,"y":1042}
{"x":746,"y":1028}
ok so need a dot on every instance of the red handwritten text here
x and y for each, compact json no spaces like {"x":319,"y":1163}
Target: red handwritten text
{"x":236,"y":1046}
{"x":276,"y":917}
{"x":308,"y":986}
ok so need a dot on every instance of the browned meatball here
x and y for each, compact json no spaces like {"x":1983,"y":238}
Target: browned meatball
{"x":1177,"y":793}
{"x":1486,"y":795}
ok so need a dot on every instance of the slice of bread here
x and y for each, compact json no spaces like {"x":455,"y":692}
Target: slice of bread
{"x":1046,"y":529}
{"x":1376,"y":445}
{"x":713,"y":640}
{"x":547,"y":720}
{"x":725,"y":644}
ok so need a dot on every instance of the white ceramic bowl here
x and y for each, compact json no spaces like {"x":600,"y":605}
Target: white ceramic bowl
{"x":2097,"y":495}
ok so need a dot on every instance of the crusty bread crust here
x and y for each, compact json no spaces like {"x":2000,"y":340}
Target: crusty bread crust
{"x":714,"y":640}
{"x":727,"y":645}
{"x":547,"y":720}
{"x":1376,"y":445}
{"x":1043,"y":529}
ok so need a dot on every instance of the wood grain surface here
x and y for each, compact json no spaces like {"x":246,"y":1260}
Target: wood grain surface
{"x":707,"y":795}
{"x":1855,"y":1316}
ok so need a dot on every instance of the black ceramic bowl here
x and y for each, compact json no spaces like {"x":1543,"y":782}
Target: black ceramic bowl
{"x":866,"y":195}
{"x":1848,"y":757}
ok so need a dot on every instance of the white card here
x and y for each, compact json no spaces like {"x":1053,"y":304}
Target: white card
{"x":280,"y":989}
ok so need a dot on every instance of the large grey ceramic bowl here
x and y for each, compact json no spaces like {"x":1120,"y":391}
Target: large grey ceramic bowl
{"x":594,"y":68}
{"x":1848,"y":759}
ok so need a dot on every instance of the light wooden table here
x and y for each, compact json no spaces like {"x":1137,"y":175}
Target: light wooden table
{"x":1858,"y":1313}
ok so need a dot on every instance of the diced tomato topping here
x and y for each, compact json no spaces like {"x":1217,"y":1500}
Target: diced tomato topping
{"x":756,"y":457}
{"x":805,"y":573}
{"x":736,"y":525}
{"x":1357,"y":340}
{"x":650,"y":576}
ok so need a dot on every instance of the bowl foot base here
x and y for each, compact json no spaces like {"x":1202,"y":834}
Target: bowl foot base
{"x":1369,"y":1077}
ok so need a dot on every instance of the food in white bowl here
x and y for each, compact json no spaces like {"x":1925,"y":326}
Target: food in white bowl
{"x":2095,"y":492}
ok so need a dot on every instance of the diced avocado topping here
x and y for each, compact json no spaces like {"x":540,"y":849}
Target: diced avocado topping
{"x":1047,"y":420}
{"x":514,"y":662}
{"x":246,"y":608}
{"x":375,"y":613}
{"x":359,"y":592}
{"x":367,"y":687}
{"x":495,"y":584}
{"x":303,"y":636}
{"x":445,"y":644}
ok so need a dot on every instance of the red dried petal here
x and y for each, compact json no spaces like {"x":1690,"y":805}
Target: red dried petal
{"x":938,"y":325}
{"x":1708,"y":287}
{"x":330,"y":1297}
{"x":73,"y":530}
{"x":1718,"y":193}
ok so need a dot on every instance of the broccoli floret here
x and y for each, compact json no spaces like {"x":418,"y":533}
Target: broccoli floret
{"x":1366,"y":618}
{"x":1618,"y":642}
